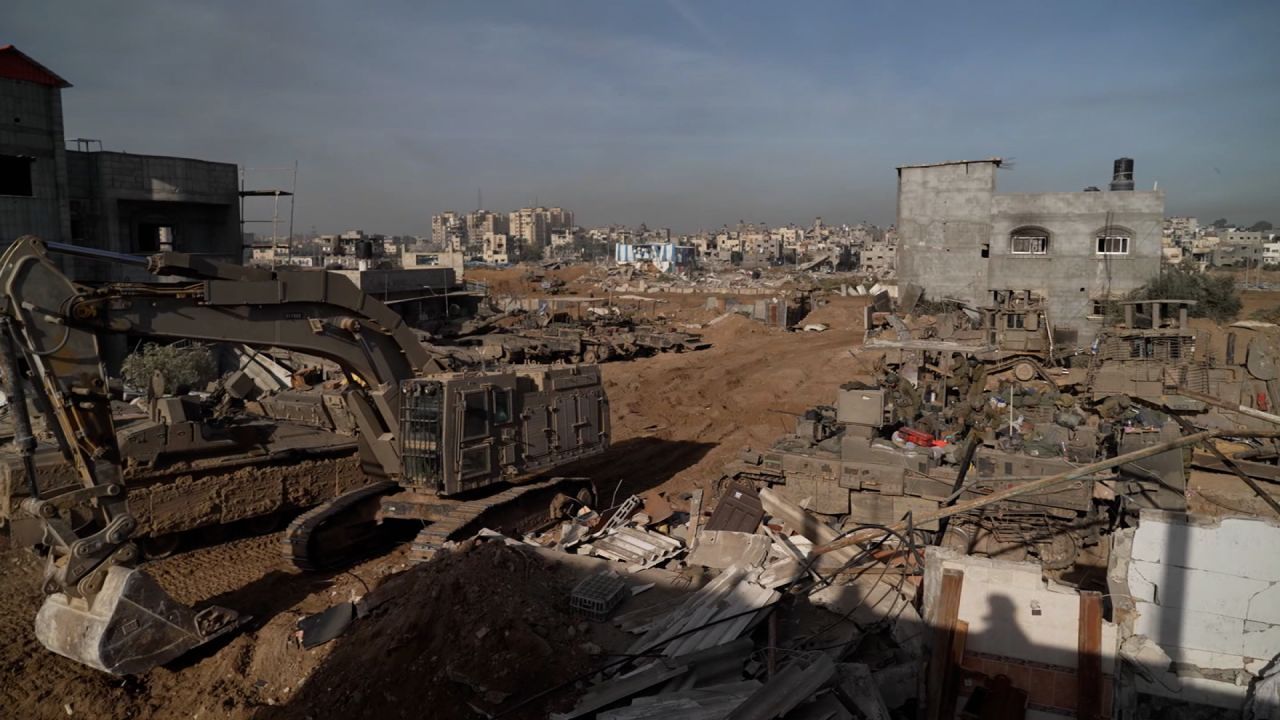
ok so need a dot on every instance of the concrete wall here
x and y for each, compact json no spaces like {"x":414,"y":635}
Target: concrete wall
{"x":953,"y":241}
{"x":114,"y":194}
{"x":1201,"y":593}
{"x":944,"y":221}
{"x":31,"y":125}
{"x":1020,"y":625}
{"x":1072,"y":274}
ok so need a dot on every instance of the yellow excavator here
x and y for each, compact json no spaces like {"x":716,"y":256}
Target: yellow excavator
{"x":449,"y":451}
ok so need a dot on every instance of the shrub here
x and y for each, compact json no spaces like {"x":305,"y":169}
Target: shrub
{"x":188,"y":366}
{"x":1215,"y":295}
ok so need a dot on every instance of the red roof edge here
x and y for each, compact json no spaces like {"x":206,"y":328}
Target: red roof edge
{"x":17,"y":65}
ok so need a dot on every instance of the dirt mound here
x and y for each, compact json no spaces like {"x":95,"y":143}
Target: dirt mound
{"x":839,"y":312}
{"x":485,"y":626}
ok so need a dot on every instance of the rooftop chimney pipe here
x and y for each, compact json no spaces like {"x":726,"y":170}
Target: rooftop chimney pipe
{"x":1122,"y":175}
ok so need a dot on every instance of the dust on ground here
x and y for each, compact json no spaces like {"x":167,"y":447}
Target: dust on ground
{"x":677,"y":420}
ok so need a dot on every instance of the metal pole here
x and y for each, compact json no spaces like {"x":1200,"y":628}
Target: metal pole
{"x":78,"y":251}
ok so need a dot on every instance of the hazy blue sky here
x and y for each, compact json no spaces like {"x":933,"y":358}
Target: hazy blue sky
{"x":677,"y":113}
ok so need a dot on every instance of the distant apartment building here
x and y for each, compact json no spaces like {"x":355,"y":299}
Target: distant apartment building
{"x":530,"y":225}
{"x":449,"y":230}
{"x":482,"y":223}
{"x":958,"y":238}
{"x":564,"y":237}
{"x":122,"y":202}
{"x":1181,"y":230}
{"x":534,"y":225}
{"x":1237,"y":254}
{"x":1271,"y":253}
{"x":1237,"y":236}
{"x":879,"y":259}
{"x":500,"y":248}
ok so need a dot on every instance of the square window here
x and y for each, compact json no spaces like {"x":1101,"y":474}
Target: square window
{"x":1016,"y":321}
{"x":15,"y":175}
{"x":1029,"y":245}
{"x":1113,"y":245}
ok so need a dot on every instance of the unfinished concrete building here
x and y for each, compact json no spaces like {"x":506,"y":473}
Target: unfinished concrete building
{"x":127,"y":203}
{"x":959,"y":238}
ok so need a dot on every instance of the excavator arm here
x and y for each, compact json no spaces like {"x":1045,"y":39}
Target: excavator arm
{"x":99,"y":610}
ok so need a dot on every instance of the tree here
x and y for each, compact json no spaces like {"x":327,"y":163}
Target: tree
{"x":1219,"y":223}
{"x":531,"y":251}
{"x":188,"y":366}
{"x":1260,"y":226}
{"x":1215,"y":295}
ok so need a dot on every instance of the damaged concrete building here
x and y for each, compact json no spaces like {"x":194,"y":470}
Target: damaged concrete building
{"x":958,"y":238}
{"x":122,"y":202}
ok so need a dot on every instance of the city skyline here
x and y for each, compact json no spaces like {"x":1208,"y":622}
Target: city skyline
{"x":677,"y":115}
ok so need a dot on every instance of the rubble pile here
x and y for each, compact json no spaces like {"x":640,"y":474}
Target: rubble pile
{"x":477,"y":628}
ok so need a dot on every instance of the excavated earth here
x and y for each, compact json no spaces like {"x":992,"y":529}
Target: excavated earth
{"x":478,"y":630}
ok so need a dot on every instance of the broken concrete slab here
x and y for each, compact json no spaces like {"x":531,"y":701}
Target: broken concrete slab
{"x":723,"y":548}
{"x":791,"y":686}
{"x":856,"y":683}
{"x":718,"y":613}
{"x":1197,"y":605}
{"x":620,"y":688}
{"x":869,"y":600}
{"x":805,"y":524}
{"x":897,"y":684}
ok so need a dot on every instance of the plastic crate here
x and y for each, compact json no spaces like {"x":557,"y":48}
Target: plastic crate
{"x":597,"y":596}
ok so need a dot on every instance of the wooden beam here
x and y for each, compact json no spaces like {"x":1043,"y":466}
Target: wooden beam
{"x":943,"y":624}
{"x":1089,"y":658}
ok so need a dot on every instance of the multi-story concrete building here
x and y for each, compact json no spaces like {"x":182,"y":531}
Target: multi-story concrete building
{"x":879,"y":259}
{"x":1271,"y":253}
{"x":482,"y":223}
{"x":1181,"y":230}
{"x":114,"y":201}
{"x":534,"y":225}
{"x":33,"y":163}
{"x":500,"y":248}
{"x":1237,"y":254}
{"x":530,"y":225}
{"x":449,"y":230}
{"x":1240,"y":236}
{"x":958,"y":238}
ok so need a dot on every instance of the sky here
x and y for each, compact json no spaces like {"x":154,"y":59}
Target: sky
{"x":674,"y":113}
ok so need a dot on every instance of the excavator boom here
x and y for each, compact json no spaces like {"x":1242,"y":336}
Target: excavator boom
{"x":423,"y":433}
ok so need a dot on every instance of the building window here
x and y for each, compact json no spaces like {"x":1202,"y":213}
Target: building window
{"x":1113,"y":245}
{"x":1029,"y":241}
{"x":1016,"y":321}
{"x":153,"y":237}
{"x":15,"y":175}
{"x":475,"y":415}
{"x":1098,"y":308}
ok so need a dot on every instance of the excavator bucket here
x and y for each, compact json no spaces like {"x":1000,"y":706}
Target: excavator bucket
{"x":130,"y":626}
